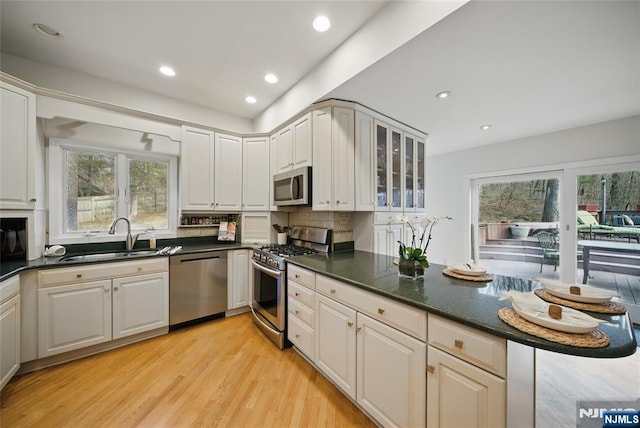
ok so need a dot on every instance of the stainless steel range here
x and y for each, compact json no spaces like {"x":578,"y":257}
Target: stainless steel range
{"x":270,"y":278}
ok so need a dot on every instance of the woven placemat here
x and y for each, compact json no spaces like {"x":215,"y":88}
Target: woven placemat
{"x":603,"y":308}
{"x":593,"y":339}
{"x":481,"y":278}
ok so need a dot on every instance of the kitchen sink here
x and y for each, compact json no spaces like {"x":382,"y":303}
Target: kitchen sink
{"x":107,"y":256}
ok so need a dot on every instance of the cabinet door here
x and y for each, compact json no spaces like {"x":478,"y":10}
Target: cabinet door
{"x":381,"y":239}
{"x":17,"y":148}
{"x":255,"y":170}
{"x":343,"y":172}
{"x":409,"y":159}
{"x":396,"y":170}
{"x":196,"y":169}
{"x":395,"y":235}
{"x":382,"y":141}
{"x":273,"y":168}
{"x":336,"y":343}
{"x":285,"y":149}
{"x":419,"y":174}
{"x":364,"y":162}
{"x":73,"y":316}
{"x":238,"y":293}
{"x":140,"y":303}
{"x":228,"y":173}
{"x":9,"y":339}
{"x":302,"y":141}
{"x":462,"y":395}
{"x":391,"y":381}
{"x":322,"y":158}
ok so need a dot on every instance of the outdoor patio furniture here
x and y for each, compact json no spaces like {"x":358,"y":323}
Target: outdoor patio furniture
{"x":588,"y":225}
{"x":626,"y":221}
{"x":551,"y":249}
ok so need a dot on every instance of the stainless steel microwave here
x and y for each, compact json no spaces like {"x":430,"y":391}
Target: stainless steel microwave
{"x":292,"y":187}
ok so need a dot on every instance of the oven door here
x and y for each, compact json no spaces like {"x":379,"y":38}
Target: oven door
{"x":269,"y":294}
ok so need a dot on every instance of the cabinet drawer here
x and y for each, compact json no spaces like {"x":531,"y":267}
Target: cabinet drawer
{"x":406,"y":318}
{"x":302,"y":294}
{"x":482,"y":349}
{"x":83,"y":273}
{"x":9,"y":288}
{"x":301,"y":276}
{"x":305,"y":314}
{"x":303,"y":337}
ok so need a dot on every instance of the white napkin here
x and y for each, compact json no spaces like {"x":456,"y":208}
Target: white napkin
{"x":525,"y":301}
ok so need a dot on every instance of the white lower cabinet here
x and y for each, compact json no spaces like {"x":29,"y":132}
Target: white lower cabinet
{"x":391,"y":366}
{"x":462,"y":395}
{"x":140,"y":303}
{"x":465,"y":376}
{"x":88,"y":305}
{"x":239,"y":281}
{"x":73,"y":316}
{"x":301,"y":314}
{"x":9,"y":329}
{"x":379,"y":366}
{"x":336,"y":343}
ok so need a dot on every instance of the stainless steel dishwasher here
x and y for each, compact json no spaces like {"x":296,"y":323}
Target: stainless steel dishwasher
{"x":197,"y":287}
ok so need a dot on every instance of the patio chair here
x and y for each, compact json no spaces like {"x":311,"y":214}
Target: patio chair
{"x":551,"y":249}
{"x":588,"y":225}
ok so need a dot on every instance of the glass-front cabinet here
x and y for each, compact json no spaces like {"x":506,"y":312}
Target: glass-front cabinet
{"x":382,"y":147}
{"x":399,"y":170}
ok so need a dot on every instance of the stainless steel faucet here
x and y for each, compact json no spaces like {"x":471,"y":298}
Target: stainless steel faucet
{"x":131,"y":240}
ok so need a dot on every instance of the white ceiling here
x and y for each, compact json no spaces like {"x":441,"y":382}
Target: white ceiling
{"x":526,"y":67}
{"x":221,"y":50}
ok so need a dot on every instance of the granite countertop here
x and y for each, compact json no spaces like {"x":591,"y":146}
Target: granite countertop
{"x":10,"y":268}
{"x":471,"y":303}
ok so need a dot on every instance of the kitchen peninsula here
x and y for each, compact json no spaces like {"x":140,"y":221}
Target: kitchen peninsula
{"x":447,"y":327}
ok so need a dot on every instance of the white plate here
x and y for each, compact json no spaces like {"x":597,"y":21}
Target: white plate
{"x":468,"y":269}
{"x":587,"y":294}
{"x":572,"y":321}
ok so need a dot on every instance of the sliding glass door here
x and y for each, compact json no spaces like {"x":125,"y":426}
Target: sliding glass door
{"x":516,"y":224}
{"x":607,"y":201}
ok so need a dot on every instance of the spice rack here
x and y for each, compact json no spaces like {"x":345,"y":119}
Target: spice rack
{"x":205,"y":220}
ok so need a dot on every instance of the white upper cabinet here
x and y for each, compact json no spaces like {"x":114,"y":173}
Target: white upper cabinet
{"x":294,"y":144}
{"x":227,"y":173}
{"x":399,"y":169}
{"x":333,"y":159}
{"x":210,"y":171}
{"x":256,"y":178}
{"x":414,"y":170}
{"x":364,"y":159}
{"x":17,"y":148}
{"x":196,"y":169}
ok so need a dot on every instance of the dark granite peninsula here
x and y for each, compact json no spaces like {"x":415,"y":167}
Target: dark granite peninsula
{"x":470,"y":303}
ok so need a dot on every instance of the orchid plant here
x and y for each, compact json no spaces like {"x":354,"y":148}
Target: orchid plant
{"x":418,"y":249}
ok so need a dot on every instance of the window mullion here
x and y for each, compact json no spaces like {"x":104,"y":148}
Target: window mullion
{"x":122,"y":203}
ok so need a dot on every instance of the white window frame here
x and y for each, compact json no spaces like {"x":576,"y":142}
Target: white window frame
{"x":56,"y":176}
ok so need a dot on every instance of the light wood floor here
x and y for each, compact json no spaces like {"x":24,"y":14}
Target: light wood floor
{"x":223,"y":373}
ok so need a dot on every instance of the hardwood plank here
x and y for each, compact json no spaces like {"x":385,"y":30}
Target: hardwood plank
{"x":222,"y":373}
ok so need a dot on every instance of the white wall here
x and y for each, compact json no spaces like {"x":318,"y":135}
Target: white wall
{"x":93,"y":88}
{"x":448,"y":174}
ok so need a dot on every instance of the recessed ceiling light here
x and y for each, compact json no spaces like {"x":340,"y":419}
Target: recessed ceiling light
{"x":271,"y":78}
{"x":321,"y":23}
{"x":250,"y":99}
{"x":48,"y":31}
{"x":167,"y":71}
{"x":443,"y":94}
{"x":485,"y":127}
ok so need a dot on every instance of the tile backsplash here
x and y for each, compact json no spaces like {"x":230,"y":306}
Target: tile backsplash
{"x":340,"y":222}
